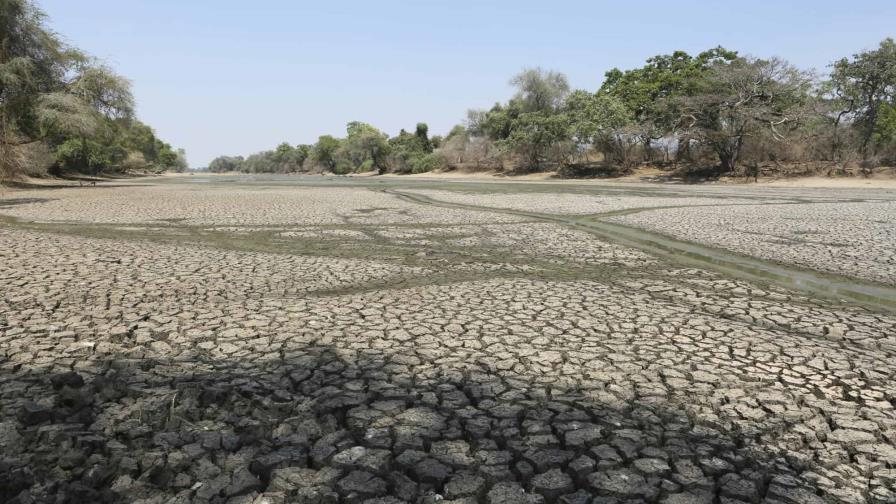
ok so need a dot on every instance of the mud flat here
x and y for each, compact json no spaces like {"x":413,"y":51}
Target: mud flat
{"x":274,"y":340}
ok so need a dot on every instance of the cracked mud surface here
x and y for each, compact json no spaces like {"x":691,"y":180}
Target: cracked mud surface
{"x":338,"y":344}
{"x":852,"y":238}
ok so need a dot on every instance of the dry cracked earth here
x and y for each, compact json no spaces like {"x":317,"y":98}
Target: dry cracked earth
{"x":287,"y":340}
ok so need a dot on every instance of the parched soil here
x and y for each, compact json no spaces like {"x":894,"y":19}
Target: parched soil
{"x":855,"y":238}
{"x":263,"y":340}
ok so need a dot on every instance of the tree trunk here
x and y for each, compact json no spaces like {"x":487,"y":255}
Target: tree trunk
{"x":646,"y":141}
{"x":729,"y":152}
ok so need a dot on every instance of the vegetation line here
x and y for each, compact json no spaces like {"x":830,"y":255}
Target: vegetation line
{"x":705,"y":115}
{"x":62,"y":110}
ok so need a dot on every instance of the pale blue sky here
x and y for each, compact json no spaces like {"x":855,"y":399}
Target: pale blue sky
{"x":235,"y":77}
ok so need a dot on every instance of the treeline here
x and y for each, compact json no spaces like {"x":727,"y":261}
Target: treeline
{"x":364,"y":148}
{"x":717,"y":111}
{"x":61,"y":110}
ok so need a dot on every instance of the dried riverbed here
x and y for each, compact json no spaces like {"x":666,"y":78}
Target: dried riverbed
{"x":278,"y":339}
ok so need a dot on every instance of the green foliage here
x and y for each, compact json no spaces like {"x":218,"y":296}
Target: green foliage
{"x":366,"y":143}
{"x":343,"y":167}
{"x":663,"y":76}
{"x":426,"y":163}
{"x":455,"y":132}
{"x":54,"y":94}
{"x":85,"y":154}
{"x":603,"y":121}
{"x":302,"y":154}
{"x":595,"y":115}
{"x":324,"y":151}
{"x":104,"y":91}
{"x":539,"y":137}
{"x":410,"y":152}
{"x":885,"y":127}
{"x":650,"y":93}
{"x":713,"y":108}
{"x":863,"y":86}
{"x":223,"y":164}
{"x":496,"y":123}
{"x":421,"y":133}
{"x":284,"y":150}
{"x":283,"y":159}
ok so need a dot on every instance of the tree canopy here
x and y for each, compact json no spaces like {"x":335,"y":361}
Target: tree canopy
{"x":54,"y":94}
{"x":716,"y":111}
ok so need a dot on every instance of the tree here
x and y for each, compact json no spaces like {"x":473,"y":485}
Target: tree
{"x":302,"y":153}
{"x":284,"y":150}
{"x":53,"y":94}
{"x":284,"y":159}
{"x":324,"y":151}
{"x":647,"y":92}
{"x":540,"y":137}
{"x":863,"y":85}
{"x":103,"y":90}
{"x":744,"y":98}
{"x":222,"y":164}
{"x":539,"y":90}
{"x":366,"y":143}
{"x":412,"y":152}
{"x":603,"y":121}
{"x":496,"y":123}
{"x":421,"y":133}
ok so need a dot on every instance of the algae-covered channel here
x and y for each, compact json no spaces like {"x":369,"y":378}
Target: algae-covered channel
{"x":693,"y":254}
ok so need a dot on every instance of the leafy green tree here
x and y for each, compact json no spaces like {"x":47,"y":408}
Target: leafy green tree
{"x":83,"y":153}
{"x":540,"y":137}
{"x":421,"y":132}
{"x":285,"y":159}
{"x":302,"y":153}
{"x":864,"y":85}
{"x":536,"y":109}
{"x":33,"y":62}
{"x":54,"y":94}
{"x":663,"y":76}
{"x":366,"y":143}
{"x":885,"y":128}
{"x":324,"y":151}
{"x":495,"y":123}
{"x":222,"y":164}
{"x":456,"y":131}
{"x":603,"y":121}
{"x":284,"y":150}
{"x":168,"y":158}
{"x":105,"y":92}
{"x":649,"y":92}
{"x":411,"y":152}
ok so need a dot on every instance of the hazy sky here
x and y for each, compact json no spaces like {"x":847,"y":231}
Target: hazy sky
{"x":235,"y":77}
